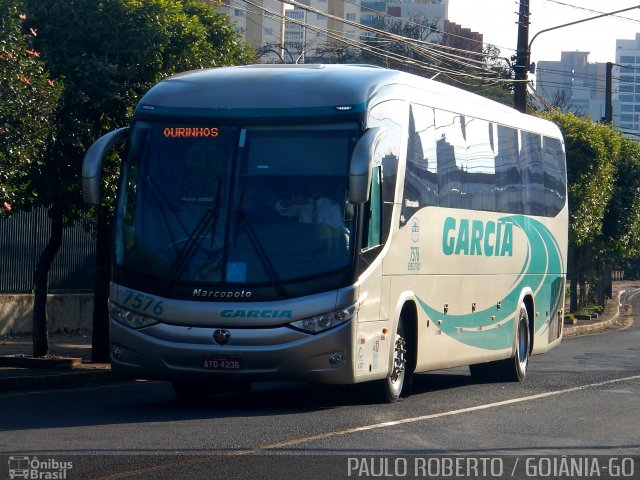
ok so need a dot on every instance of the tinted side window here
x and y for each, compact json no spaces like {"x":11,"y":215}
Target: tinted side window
{"x":532,"y":173}
{"x":508,"y":175}
{"x":451,"y":158}
{"x":480,"y":175}
{"x":555,"y":176}
{"x":421,"y":177}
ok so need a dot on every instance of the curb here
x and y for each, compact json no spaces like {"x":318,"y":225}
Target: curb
{"x":71,"y":379}
{"x":575,"y":330}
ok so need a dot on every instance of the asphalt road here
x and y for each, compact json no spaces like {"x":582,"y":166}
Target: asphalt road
{"x":579,"y":399}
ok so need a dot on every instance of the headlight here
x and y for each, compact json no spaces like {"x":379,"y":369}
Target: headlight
{"x":323,"y":322}
{"x":129,"y":318}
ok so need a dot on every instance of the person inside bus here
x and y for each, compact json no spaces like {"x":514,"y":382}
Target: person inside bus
{"x":317,"y":207}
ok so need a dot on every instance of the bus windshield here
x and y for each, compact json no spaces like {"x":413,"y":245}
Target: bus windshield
{"x":202,"y":205}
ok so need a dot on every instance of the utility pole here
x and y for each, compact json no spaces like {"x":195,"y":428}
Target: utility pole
{"x":522,"y":59}
{"x":608,"y":107}
{"x":522,"y":65}
{"x":283,"y":26}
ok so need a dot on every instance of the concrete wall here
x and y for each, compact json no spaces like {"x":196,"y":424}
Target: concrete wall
{"x":65,"y":312}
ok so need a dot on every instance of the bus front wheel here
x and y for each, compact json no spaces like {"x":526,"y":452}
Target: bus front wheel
{"x":398,"y":381}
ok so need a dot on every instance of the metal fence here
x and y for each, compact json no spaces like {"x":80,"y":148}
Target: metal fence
{"x":23,"y":236}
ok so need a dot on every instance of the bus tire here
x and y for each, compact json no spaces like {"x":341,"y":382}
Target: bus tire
{"x":515,"y":369}
{"x":399,"y":380}
{"x":512,"y":369}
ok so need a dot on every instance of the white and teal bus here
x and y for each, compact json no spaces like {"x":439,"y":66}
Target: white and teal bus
{"x":449,"y":248}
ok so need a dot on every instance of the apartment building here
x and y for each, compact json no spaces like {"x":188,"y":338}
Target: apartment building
{"x":315,"y":29}
{"x":573,"y":84}
{"x":626,"y":86}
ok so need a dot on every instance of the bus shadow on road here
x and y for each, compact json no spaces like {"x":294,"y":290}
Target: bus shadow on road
{"x":286,"y":396}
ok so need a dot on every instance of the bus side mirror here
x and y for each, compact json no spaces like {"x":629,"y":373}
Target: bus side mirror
{"x":92,"y":164}
{"x":361,"y":164}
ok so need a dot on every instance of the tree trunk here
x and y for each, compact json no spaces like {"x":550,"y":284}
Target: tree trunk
{"x":601,"y":276}
{"x":100,"y":337}
{"x":573,"y":280}
{"x":41,"y":283}
{"x":608,"y":282}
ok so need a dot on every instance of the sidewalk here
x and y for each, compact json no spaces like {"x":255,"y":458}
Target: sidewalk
{"x":19,"y":373}
{"x":616,"y":314}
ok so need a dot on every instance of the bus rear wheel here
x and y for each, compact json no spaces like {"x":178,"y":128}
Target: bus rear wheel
{"x":515,"y":369}
{"x":512,"y":369}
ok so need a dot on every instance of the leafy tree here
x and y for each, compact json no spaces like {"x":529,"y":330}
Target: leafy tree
{"x":27,"y":109}
{"x":593,"y":151}
{"x":27,"y":120}
{"x":621,"y":227}
{"x":109,"y":53}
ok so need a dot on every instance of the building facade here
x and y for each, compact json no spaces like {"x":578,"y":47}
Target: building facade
{"x":626,"y":86}
{"x":322,"y":28}
{"x":573,"y":84}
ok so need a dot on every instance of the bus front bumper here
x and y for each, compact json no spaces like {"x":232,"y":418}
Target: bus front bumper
{"x":173,"y":352}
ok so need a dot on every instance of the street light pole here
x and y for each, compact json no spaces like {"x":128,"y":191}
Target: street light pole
{"x":524,"y":52}
{"x":580,"y":21}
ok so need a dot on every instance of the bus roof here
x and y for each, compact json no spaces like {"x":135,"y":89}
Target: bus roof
{"x":279,"y":90}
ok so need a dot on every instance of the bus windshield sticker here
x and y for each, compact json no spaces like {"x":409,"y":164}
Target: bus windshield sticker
{"x":236,"y":272}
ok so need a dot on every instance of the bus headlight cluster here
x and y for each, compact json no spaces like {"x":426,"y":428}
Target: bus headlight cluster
{"x":323,"y":322}
{"x":129,"y":318}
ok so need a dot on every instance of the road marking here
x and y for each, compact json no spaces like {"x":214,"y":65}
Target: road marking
{"x":421,"y":418}
{"x":182,"y":463}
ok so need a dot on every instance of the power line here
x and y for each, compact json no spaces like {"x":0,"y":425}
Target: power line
{"x":424,"y":48}
{"x":577,"y":7}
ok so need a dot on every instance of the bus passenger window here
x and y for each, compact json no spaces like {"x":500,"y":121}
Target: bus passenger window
{"x":532,"y":173}
{"x":481,"y":171}
{"x":452,"y":159}
{"x":421,"y":177}
{"x":508,"y":176}
{"x":555,"y":176}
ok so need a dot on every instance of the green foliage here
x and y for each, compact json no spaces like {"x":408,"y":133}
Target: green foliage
{"x":110,"y":52}
{"x":592,"y":151}
{"x":603,"y":170}
{"x":622,"y":219}
{"x":29,"y":99}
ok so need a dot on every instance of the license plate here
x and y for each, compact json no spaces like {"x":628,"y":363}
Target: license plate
{"x":221,"y":362}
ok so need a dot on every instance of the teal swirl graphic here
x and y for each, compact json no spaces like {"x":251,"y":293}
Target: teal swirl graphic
{"x":542,"y":271}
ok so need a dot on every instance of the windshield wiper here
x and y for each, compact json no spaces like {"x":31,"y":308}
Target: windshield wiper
{"x":194,"y":240}
{"x":262,"y":255}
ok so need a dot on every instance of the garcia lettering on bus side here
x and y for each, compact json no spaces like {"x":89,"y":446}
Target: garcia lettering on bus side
{"x":475,"y":237}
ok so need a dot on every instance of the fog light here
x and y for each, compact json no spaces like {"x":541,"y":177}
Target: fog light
{"x":336,"y":360}
{"x":116,"y":353}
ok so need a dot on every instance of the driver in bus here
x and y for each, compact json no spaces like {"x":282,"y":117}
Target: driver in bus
{"x":316,"y":208}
